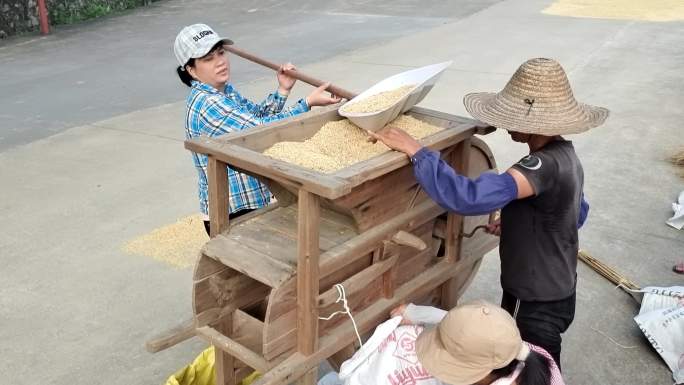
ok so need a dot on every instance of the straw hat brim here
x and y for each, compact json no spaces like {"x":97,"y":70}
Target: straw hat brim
{"x":485,"y":107}
{"x":442,"y":365}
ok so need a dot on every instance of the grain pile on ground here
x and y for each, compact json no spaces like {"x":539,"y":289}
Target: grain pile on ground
{"x":340,"y":144}
{"x":177,"y":244}
{"x":378,"y":102}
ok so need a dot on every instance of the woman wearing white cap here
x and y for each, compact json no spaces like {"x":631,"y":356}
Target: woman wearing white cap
{"x":215,"y":107}
{"x":541,"y":196}
{"x":477,"y":343}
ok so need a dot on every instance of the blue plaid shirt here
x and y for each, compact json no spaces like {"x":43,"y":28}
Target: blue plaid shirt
{"x":212,"y":113}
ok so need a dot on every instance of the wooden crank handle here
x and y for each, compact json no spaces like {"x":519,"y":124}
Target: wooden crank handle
{"x":470,"y":234}
{"x":493,"y":216}
{"x":171,"y":337}
{"x":407,"y":239}
{"x":341,"y":92}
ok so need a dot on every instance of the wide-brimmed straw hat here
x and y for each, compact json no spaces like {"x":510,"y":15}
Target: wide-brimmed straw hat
{"x":537,"y":100}
{"x":470,"y":342}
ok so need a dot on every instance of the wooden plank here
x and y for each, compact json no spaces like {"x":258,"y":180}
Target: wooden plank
{"x":230,"y":347}
{"x":331,"y":232}
{"x":297,"y":128}
{"x":227,"y":288}
{"x":219,"y":194}
{"x":224,"y":363}
{"x":247,"y":331}
{"x":364,"y":243}
{"x":205,"y":267}
{"x":308,"y":278}
{"x":326,"y":185}
{"x":460,"y":160}
{"x":171,"y":337}
{"x":418,"y":111}
{"x":359,"y":281}
{"x":242,"y":257}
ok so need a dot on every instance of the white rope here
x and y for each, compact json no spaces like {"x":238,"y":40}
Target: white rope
{"x":342,"y":296}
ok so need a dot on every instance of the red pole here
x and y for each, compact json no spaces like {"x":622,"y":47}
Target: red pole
{"x":43,"y":16}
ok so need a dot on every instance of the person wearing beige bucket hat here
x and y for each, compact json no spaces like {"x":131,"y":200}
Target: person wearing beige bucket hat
{"x":477,"y":343}
{"x":214,"y":107}
{"x":541,"y":196}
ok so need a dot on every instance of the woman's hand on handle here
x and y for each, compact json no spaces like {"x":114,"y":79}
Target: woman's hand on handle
{"x":285,"y":81}
{"x":318,"y":97}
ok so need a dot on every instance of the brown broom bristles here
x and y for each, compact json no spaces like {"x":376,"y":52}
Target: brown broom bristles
{"x":607,"y":272}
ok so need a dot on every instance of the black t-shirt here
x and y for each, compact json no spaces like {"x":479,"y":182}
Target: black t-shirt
{"x":539,"y":241}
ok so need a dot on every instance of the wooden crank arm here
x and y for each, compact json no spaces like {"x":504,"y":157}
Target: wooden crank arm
{"x":233,"y":348}
{"x":405,"y":238}
{"x":295,"y":74}
{"x":358,"y":281}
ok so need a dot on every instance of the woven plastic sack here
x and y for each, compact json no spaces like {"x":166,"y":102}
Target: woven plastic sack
{"x":661,"y":319}
{"x":201,"y":372}
{"x":388,"y":357}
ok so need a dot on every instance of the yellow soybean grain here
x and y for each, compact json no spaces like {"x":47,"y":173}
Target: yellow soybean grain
{"x":340,"y":144}
{"x":378,"y":102}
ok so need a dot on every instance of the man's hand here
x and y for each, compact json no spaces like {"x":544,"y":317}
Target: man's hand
{"x":494,"y":228}
{"x":285,"y":82}
{"x":397,"y":139}
{"x":318,"y":97}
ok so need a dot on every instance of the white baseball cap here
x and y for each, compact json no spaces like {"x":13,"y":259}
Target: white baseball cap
{"x":196,"y":41}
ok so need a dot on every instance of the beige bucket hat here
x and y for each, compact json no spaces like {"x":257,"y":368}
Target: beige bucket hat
{"x":537,"y":100}
{"x":470,"y":342}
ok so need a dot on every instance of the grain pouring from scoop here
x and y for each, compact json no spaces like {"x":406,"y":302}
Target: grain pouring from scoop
{"x":379,"y":101}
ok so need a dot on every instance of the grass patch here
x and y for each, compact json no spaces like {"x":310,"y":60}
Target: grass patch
{"x":69,"y":12}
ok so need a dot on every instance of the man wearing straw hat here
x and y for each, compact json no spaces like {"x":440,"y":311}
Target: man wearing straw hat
{"x":540,"y":196}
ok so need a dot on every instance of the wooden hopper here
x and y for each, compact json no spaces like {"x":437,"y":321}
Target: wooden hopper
{"x":262,"y":282}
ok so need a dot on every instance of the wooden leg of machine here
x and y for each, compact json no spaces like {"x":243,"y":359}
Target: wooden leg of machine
{"x":218,"y":196}
{"x":454,"y":226}
{"x":307,"y":279}
{"x":224,"y":362}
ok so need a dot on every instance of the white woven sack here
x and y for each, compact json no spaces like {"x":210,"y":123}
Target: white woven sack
{"x":661,"y":319}
{"x":388,"y":358}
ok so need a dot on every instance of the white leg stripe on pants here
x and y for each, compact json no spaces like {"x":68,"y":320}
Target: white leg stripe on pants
{"x":517,"y":307}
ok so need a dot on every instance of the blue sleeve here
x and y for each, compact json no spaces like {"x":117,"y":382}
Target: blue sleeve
{"x":273,"y":103}
{"x":584,"y":212}
{"x":458,"y":193}
{"x":222,"y":116}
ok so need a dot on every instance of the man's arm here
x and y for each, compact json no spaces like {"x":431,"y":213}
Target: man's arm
{"x":461,"y":194}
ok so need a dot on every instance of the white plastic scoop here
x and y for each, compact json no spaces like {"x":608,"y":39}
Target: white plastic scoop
{"x":424,"y":78}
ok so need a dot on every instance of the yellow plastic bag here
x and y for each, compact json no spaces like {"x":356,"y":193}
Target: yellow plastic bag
{"x":201,"y":372}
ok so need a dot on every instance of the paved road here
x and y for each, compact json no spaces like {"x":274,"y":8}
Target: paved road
{"x":91,"y":156}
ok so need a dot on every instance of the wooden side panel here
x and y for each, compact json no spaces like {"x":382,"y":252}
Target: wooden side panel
{"x":280,"y":322}
{"x":227,"y":288}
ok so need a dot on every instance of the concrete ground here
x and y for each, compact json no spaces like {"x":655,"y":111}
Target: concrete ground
{"x":91,"y":156}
